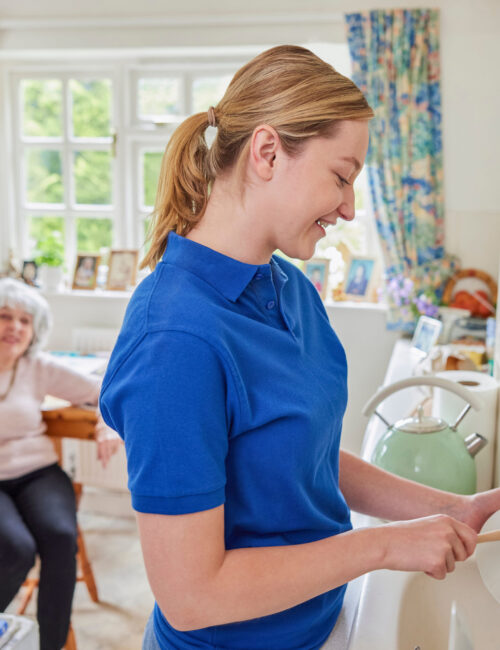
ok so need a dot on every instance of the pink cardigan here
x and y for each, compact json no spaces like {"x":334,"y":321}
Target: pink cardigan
{"x":23,"y":445}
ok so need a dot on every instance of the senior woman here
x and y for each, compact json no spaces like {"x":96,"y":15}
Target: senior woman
{"x":37,"y":501}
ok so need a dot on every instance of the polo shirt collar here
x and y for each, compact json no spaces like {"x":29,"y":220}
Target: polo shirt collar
{"x":229,"y":276}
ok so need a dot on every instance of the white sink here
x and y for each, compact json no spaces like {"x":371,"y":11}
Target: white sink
{"x":403,"y":611}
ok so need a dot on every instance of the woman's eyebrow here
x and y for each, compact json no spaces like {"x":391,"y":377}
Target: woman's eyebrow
{"x":352,"y":160}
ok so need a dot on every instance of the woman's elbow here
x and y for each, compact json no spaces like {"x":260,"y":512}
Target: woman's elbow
{"x":188,"y":614}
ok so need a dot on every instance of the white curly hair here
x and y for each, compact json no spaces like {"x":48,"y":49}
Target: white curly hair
{"x":16,"y":294}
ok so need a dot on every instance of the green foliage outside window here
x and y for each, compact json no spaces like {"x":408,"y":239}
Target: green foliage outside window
{"x":91,"y":114}
{"x":94,"y":236}
{"x":92,"y":173}
{"x":42,"y":107}
{"x":44,"y":176}
{"x":47,"y":240}
{"x":151,"y":172}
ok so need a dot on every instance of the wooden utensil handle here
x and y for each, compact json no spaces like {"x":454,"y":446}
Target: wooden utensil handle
{"x":493,"y":536}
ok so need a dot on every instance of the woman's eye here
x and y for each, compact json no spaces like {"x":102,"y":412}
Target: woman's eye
{"x":343,"y":181}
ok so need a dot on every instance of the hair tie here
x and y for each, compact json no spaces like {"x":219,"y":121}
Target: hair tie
{"x":212,"y":120}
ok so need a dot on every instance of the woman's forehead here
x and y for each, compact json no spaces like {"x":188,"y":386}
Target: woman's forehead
{"x":20,"y":309}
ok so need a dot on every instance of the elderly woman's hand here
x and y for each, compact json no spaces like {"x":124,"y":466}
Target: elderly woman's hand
{"x":108,"y":441}
{"x":106,"y":448}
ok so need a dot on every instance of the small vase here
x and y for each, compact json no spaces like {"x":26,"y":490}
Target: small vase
{"x":51,"y":277}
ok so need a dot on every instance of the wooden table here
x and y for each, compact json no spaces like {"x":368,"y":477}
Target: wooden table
{"x":69,"y":422}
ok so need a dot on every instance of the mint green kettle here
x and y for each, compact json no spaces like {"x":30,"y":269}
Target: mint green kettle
{"x":427,"y":449}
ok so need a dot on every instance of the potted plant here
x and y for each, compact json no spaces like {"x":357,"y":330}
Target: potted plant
{"x":50,"y":259}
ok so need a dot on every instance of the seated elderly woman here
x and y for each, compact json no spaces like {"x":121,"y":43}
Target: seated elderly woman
{"x":37,"y":501}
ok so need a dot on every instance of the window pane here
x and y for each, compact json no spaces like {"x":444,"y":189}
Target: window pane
{"x":145,"y":243}
{"x":94,"y":236}
{"x":42,"y":107}
{"x":91,"y":101}
{"x":158,"y":98}
{"x":46,"y":239}
{"x":92,"y":174}
{"x":44,"y":176}
{"x":359,"y":196}
{"x":208,"y":91}
{"x":151,"y":163}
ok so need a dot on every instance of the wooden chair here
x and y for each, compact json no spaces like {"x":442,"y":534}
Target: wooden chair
{"x":68,"y":422}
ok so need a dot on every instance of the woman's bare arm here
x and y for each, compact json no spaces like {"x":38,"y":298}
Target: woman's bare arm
{"x":372,"y":491}
{"x":375,"y":492}
{"x":198,"y":583}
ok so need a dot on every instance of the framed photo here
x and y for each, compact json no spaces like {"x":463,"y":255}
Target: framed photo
{"x":316,"y":269}
{"x":86,"y":267}
{"x":426,"y":334}
{"x":30,"y":272}
{"x":122,"y":271}
{"x":360,"y":273}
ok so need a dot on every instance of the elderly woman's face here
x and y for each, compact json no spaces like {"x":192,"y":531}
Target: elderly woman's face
{"x":16,"y":331}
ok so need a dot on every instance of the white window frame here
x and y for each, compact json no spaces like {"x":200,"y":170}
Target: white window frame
{"x":67,"y":145}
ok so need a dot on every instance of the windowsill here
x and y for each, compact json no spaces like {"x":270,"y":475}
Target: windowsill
{"x":105,"y":294}
{"x":88,"y":293}
{"x":354,"y":304}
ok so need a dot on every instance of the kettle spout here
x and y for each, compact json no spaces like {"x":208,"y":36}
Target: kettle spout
{"x":474,"y":443}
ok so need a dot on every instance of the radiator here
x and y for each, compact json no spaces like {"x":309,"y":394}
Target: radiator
{"x":88,"y":340}
{"x":80,"y":457}
{"x":80,"y":461}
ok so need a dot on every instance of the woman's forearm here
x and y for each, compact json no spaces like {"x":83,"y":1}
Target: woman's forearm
{"x":375,"y":492}
{"x":255,"y":582}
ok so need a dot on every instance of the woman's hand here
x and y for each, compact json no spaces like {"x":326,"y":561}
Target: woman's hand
{"x":108,"y":441}
{"x":106,"y":448}
{"x":430,"y":544}
{"x":478,"y":508}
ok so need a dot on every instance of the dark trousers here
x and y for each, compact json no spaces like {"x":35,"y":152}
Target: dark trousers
{"x":38,"y":516}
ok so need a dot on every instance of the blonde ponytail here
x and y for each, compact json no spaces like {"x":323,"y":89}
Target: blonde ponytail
{"x":182,"y":192}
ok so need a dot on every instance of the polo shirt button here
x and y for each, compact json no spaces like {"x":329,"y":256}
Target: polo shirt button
{"x":270,"y":304}
{"x":258,"y":276}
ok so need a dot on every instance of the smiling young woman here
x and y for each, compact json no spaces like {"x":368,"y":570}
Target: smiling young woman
{"x":229,"y":385}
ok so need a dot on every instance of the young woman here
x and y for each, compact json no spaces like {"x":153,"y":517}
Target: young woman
{"x":228,"y":383}
{"x":37,"y":501}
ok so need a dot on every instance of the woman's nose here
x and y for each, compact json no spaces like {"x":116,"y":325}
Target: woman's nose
{"x":15,"y":325}
{"x":346,"y":209}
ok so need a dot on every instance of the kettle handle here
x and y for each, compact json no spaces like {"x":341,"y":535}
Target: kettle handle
{"x":467,"y":395}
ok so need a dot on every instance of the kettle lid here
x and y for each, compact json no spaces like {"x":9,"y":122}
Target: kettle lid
{"x":421,"y":423}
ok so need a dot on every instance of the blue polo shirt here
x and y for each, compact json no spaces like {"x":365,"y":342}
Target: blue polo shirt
{"x":228,"y":386}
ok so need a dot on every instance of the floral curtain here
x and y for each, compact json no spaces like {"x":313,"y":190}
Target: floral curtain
{"x":395,"y":57}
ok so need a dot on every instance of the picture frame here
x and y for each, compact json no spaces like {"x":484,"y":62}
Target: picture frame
{"x":29,"y":272}
{"x":316,"y":270}
{"x":122,"y":270}
{"x":426,"y":334}
{"x":359,"y":278}
{"x":85,"y":275}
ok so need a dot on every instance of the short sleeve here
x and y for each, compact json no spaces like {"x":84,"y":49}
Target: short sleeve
{"x":167,"y":399}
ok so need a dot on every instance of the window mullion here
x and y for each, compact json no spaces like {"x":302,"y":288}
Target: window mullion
{"x":122,"y":223}
{"x":70,"y":229}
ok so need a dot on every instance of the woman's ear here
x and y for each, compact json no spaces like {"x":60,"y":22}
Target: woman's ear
{"x":264,"y":146}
